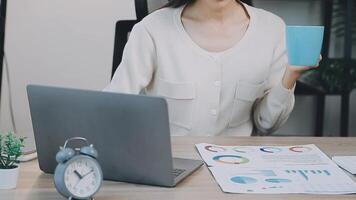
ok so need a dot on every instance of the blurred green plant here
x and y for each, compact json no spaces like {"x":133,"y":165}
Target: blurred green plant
{"x":335,"y":76}
{"x":11,"y":148}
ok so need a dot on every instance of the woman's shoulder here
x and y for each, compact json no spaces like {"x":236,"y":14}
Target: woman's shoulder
{"x":160,"y":19}
{"x":267,"y":16}
{"x":268,"y":19}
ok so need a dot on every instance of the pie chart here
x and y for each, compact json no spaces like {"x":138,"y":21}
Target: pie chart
{"x":300,"y":149}
{"x":270,"y":149}
{"x":214,"y":148}
{"x":242,"y":149}
{"x":230,"y":159}
{"x":243,"y":180}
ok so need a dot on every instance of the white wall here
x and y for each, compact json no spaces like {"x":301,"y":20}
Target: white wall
{"x":57,"y":42}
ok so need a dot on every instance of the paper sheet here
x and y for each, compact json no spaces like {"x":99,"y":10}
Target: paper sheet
{"x":346,"y":162}
{"x":275,"y":169}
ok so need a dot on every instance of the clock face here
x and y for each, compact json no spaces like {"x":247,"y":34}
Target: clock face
{"x":82,"y":177}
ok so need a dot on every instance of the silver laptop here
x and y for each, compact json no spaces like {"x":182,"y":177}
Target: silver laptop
{"x":130,"y":132}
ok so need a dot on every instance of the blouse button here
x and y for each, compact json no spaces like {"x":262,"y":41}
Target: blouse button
{"x":217,"y":83}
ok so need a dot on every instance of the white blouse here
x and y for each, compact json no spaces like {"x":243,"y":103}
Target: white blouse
{"x":233,"y":92}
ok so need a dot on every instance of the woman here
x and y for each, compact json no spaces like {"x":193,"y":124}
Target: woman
{"x":220,"y":64}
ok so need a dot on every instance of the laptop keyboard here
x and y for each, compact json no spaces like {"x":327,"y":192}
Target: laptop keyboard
{"x":177,"y":172}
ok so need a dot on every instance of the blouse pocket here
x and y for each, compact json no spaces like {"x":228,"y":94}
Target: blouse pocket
{"x":245,"y":95}
{"x":179,"y":97}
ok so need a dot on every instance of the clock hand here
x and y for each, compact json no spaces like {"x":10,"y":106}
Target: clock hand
{"x":88,"y":173}
{"x":84,"y":176}
{"x":78,"y":174}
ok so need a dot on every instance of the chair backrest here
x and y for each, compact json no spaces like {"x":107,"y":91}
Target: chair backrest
{"x":123,"y":28}
{"x":249,"y":2}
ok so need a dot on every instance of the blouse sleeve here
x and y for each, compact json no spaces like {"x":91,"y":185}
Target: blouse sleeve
{"x":137,"y":67}
{"x":273,"y":110}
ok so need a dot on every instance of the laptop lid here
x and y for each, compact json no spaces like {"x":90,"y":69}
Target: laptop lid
{"x":130,"y":132}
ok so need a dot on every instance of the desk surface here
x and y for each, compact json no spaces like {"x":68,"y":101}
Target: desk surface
{"x":33,"y":184}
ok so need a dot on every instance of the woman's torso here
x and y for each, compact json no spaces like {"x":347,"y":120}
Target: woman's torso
{"x":210,"y":93}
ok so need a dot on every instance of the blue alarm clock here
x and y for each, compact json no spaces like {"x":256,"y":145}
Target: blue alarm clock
{"x":78,"y":174}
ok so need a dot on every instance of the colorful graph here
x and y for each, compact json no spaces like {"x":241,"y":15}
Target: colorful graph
{"x":243,"y":149}
{"x":306,"y":173}
{"x":300,"y":149}
{"x":278,"y":180}
{"x":214,"y":149}
{"x":243,"y":180}
{"x":231,"y":159}
{"x":270,"y":149}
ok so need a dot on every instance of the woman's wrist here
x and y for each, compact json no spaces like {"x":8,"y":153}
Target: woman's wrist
{"x":292,"y":74}
{"x":290,"y":78}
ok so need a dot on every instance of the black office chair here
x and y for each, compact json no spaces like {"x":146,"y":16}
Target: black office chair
{"x":123,"y":28}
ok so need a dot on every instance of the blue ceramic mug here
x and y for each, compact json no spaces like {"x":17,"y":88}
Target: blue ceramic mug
{"x":304,"y":44}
